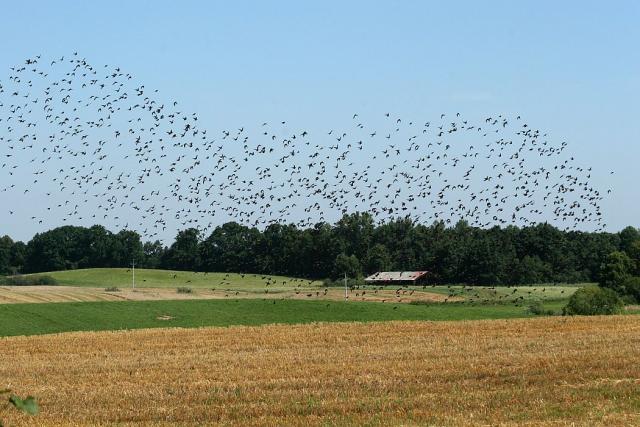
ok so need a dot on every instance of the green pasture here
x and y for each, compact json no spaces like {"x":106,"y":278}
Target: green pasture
{"x":46,"y":318}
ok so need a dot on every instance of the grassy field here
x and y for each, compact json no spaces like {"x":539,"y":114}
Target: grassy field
{"x":224,"y":285}
{"x":84,"y":302}
{"x":34,"y":319}
{"x":121,"y":277}
{"x":544,"y":371}
{"x":542,"y":292}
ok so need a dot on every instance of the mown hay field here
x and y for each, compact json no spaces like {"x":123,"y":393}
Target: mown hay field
{"x":543,"y":371}
{"x":46,"y":294}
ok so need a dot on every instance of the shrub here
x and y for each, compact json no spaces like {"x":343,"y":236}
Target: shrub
{"x":29,"y":281}
{"x":28,"y":405}
{"x":537,"y":309}
{"x":112,"y":289}
{"x":593,"y":300}
{"x":632,"y":289}
{"x":184,"y":290}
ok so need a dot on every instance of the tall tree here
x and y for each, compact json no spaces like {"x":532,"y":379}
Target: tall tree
{"x":128,"y":248}
{"x":153,"y":253}
{"x":184,"y":253}
{"x":628,"y":236}
{"x":6,"y":244}
{"x":615,"y":271}
{"x":231,"y":248}
{"x":347,"y":264}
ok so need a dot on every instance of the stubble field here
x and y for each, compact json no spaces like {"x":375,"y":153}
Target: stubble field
{"x":543,"y":371}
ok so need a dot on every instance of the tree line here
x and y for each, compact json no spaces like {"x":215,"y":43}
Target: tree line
{"x":355,"y":245}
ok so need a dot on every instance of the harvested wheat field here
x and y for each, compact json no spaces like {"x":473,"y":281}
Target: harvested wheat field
{"x":544,"y":371}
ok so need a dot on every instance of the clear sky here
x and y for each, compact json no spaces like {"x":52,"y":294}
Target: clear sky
{"x":571,"y":68}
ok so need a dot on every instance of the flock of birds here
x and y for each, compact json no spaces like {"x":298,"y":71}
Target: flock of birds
{"x":87,"y":144}
{"x":279,"y":288}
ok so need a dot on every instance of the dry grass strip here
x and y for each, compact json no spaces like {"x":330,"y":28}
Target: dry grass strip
{"x":46,"y":294}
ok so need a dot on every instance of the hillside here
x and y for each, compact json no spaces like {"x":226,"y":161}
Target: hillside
{"x":122,"y":278}
{"x":109,"y":284}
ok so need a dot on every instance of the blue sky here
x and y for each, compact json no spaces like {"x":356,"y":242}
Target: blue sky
{"x":571,"y":68}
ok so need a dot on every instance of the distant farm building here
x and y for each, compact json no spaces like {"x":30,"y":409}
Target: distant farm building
{"x":397,"y":278}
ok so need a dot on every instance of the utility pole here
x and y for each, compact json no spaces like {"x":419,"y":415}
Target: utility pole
{"x":346,"y":295}
{"x":133,"y":273}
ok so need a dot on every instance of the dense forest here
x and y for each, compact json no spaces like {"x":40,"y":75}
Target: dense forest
{"x":355,"y":245}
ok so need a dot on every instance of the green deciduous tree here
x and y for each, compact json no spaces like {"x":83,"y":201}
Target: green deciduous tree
{"x":378,"y":259}
{"x":153,"y":253}
{"x":628,"y":236}
{"x":348,"y":264}
{"x":184,"y":253}
{"x":615,"y":270}
{"x":6,"y":244}
{"x":634,"y":253}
